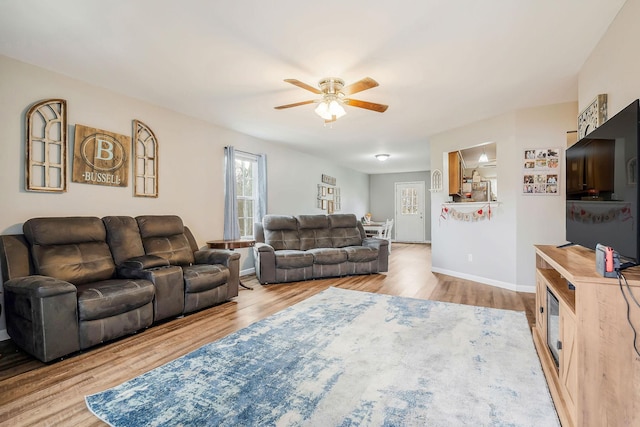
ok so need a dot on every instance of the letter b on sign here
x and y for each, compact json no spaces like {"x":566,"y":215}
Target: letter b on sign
{"x":104,"y":149}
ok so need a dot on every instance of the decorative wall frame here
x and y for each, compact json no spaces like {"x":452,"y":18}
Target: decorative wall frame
{"x":46,"y":146}
{"x":593,"y":116}
{"x":328,"y":179}
{"x":145,"y":161}
{"x":436,"y":181}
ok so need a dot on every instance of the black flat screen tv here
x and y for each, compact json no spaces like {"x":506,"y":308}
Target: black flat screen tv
{"x":602,"y":186}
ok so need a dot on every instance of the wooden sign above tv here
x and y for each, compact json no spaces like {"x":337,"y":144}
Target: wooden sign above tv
{"x":100,"y":157}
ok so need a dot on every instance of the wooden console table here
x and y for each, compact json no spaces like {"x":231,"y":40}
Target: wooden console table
{"x":232,"y":245}
{"x":597,"y":382}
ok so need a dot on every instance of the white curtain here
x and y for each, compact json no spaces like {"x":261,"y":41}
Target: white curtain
{"x":231,"y":226}
{"x":262,"y":187}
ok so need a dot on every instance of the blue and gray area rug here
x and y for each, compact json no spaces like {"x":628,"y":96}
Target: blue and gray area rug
{"x":349,"y":358}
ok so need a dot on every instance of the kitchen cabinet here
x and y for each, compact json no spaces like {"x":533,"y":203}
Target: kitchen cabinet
{"x":455,"y":173}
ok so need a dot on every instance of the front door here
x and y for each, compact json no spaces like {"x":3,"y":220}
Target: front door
{"x":409,"y":220}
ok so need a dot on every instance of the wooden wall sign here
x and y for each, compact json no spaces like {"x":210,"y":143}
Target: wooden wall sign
{"x":46,"y":146}
{"x":100,"y":157}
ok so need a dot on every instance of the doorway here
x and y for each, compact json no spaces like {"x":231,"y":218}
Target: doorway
{"x":409,"y":217}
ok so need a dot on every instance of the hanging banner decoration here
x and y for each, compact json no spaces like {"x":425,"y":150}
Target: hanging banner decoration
{"x":579,"y":213}
{"x":100,"y":157}
{"x":477,"y":214}
{"x":541,"y":171}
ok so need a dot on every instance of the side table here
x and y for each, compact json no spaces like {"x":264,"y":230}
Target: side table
{"x":232,"y":245}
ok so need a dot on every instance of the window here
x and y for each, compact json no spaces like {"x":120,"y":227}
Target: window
{"x":409,"y":201}
{"x":246,"y":192}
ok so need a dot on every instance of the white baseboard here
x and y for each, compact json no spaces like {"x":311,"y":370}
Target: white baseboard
{"x":486,"y":281}
{"x":248,"y":272}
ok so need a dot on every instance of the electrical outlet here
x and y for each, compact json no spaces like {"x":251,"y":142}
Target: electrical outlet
{"x":470,"y":257}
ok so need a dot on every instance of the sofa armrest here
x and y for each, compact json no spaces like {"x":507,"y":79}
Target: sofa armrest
{"x":229,"y":259}
{"x":264,"y":259}
{"x":144,"y":262}
{"x":263,"y":247}
{"x":383,"y":251}
{"x":375,"y":242}
{"x":168,"y":281}
{"x":39,"y":286}
{"x":215,"y":256}
{"x":42,"y":316}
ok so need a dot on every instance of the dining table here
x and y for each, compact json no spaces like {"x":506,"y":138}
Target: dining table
{"x":373,"y":228}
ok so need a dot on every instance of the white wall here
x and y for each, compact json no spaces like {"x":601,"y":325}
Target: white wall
{"x":614,"y":65}
{"x":190,"y":161}
{"x":501,"y":247}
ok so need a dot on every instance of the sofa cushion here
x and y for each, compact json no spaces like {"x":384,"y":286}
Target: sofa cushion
{"x":281,"y":232}
{"x":361,"y":253}
{"x":64,"y":230}
{"x":344,"y":230}
{"x":73,"y":249}
{"x":123,"y":237}
{"x":328,"y":255}
{"x":163,"y":236}
{"x":343,"y":237}
{"x":314,"y":232}
{"x":293,"y":259}
{"x":112,"y":297}
{"x":202,"y":277}
{"x":159,"y":225}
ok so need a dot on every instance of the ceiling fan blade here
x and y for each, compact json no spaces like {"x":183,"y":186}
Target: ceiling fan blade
{"x":280,"y":107}
{"x":380,"y":108}
{"x":303,"y":85}
{"x":359,"y":86}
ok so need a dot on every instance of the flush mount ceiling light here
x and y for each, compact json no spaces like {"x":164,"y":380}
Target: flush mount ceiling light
{"x":483,"y":158}
{"x":334,"y":97}
{"x":382,"y":157}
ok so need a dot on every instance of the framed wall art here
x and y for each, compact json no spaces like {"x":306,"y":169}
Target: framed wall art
{"x":541,"y":171}
{"x":46,"y":146}
{"x":145,"y":162}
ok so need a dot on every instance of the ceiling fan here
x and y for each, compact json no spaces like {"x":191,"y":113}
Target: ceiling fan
{"x":335,"y":96}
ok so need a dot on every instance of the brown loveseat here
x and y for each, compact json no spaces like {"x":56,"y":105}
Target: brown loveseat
{"x":303,"y":247}
{"x":73,"y":282}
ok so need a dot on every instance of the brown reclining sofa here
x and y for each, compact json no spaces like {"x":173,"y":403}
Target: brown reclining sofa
{"x":74,"y":282}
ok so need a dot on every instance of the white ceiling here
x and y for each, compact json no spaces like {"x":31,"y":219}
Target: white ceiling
{"x":440,"y":63}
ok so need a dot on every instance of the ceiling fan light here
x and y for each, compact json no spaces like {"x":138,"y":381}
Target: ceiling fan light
{"x":335,"y":109}
{"x":382,"y":157}
{"x":323,"y":110}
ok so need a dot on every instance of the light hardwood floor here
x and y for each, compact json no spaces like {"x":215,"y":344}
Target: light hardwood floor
{"x":33,"y":393}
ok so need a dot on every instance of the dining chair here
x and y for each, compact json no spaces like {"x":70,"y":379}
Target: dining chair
{"x":386,"y":232}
